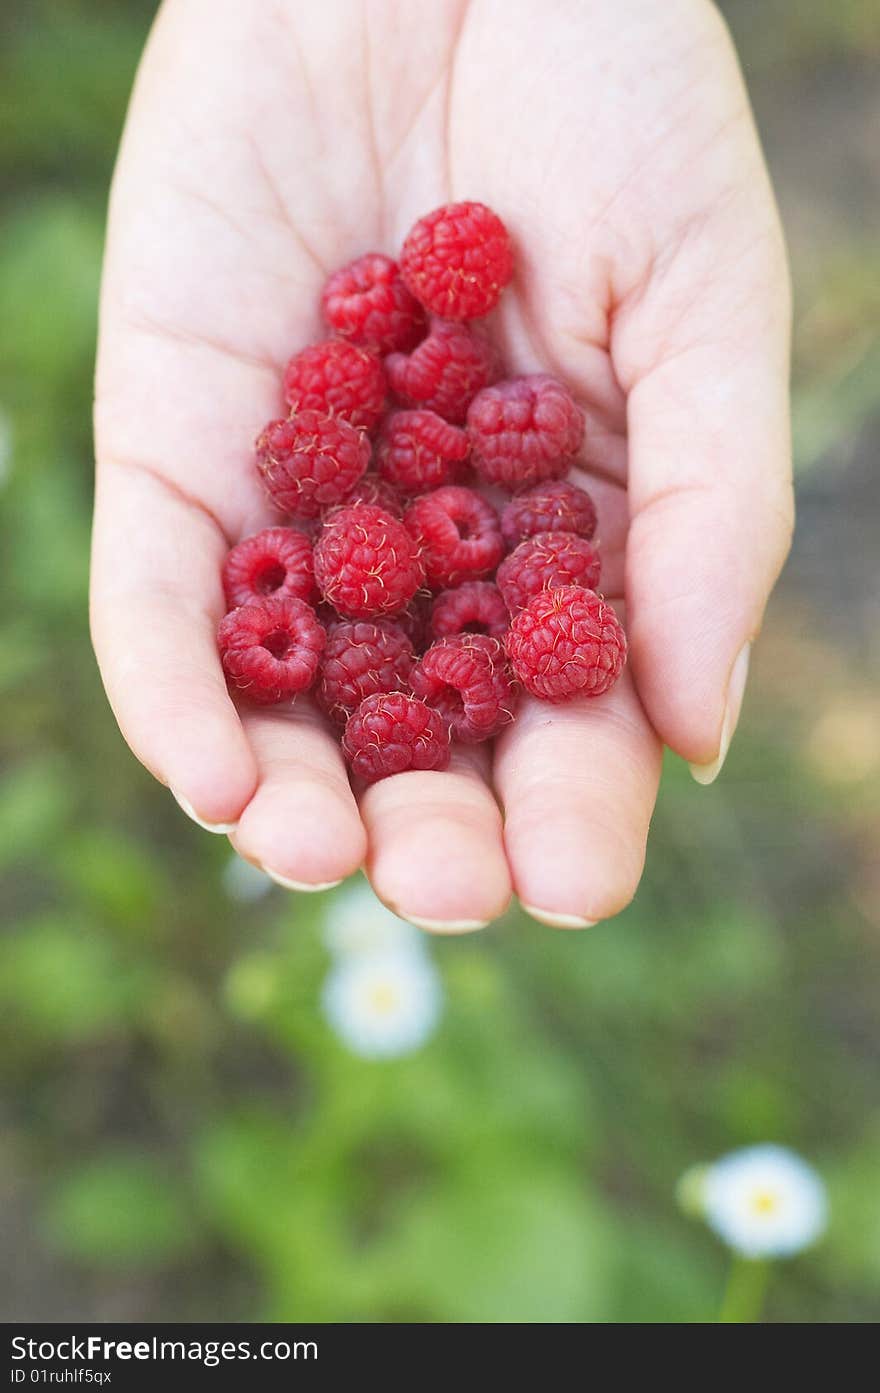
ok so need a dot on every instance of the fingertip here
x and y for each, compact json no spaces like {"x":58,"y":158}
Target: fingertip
{"x":302,"y":833}
{"x":436,"y":855}
{"x":207,"y":765}
{"x":693,"y":687}
{"x":578,"y":783}
{"x":220,"y":828}
{"x":577,"y":872}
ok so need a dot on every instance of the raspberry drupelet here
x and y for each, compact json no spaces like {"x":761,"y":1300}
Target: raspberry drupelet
{"x":555,"y":506}
{"x":368,"y":303}
{"x":276,"y":561}
{"x":457,"y":260}
{"x":524,"y":431}
{"x":362,"y":657}
{"x":270,"y":650}
{"x":339,"y":379}
{"x":310,"y":461}
{"x":566,"y":643}
{"x":547,"y":562}
{"x":466,"y":679}
{"x":418,"y":450}
{"x":476,"y":607}
{"x":391,"y":733}
{"x":366,"y":563}
{"x":372,"y":489}
{"x":457,"y":533}
{"x":446,"y":371}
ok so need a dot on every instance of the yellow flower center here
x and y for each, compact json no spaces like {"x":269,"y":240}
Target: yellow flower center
{"x":765,"y":1202}
{"x":383,"y":999}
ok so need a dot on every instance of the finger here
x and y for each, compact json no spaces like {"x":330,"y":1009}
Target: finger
{"x":709,"y":484}
{"x":156,"y":602}
{"x":436,"y":854}
{"x":302,"y":824}
{"x":578,"y":784}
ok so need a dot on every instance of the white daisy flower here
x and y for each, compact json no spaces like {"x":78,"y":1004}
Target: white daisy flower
{"x":764,"y":1201}
{"x":244,"y":882}
{"x":383,"y":1004}
{"x":359,"y":923}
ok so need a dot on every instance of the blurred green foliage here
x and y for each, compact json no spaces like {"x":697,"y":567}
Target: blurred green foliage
{"x":183,"y":1135}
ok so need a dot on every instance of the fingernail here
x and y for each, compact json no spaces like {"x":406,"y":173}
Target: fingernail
{"x":307,"y":887}
{"x":708,"y":773}
{"x":221,"y":828}
{"x":445,"y":926}
{"x":558,"y":921}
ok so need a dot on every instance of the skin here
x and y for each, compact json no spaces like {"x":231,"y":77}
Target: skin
{"x":269,"y":143}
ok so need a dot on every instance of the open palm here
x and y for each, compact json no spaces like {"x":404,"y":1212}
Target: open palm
{"x":270,"y":142}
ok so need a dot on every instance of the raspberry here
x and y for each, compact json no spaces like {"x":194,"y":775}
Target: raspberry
{"x":566,"y":643}
{"x":270,"y":650}
{"x":390,"y":733}
{"x":276,"y":561}
{"x":447,"y":370}
{"x":414,"y":622}
{"x":457,"y":533}
{"x":466,"y":679}
{"x":556,"y":506}
{"x":337,"y":378}
{"x":547,"y":562}
{"x":368,"y":303}
{"x":524,"y":431}
{"x":475,"y":607}
{"x":418,"y":450}
{"x":372,"y":489}
{"x":311,"y":461}
{"x":361,"y":658}
{"x":457,"y":260}
{"x":366,"y":563}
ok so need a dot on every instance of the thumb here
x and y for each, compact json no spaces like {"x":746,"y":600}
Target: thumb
{"x":710,"y":495}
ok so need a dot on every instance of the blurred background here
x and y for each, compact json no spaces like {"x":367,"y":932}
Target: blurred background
{"x":187,"y":1132}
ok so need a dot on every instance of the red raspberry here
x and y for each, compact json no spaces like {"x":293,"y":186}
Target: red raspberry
{"x":556,"y":506}
{"x":311,"y":461}
{"x":339,"y":378}
{"x":368,"y":304}
{"x":414,"y":622}
{"x":276,"y":561}
{"x":372,"y":489}
{"x":457,"y":533}
{"x":270,"y":651}
{"x":390,"y":733}
{"x":418,"y":450}
{"x":457,"y":260}
{"x":547,"y":562}
{"x":361,"y":658}
{"x":524,"y":431}
{"x":467,"y":680}
{"x":446,"y":371}
{"x":366,"y":563}
{"x":566,"y":643}
{"x":474,"y":608}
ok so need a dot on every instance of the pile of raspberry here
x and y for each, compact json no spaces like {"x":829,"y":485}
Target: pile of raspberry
{"x":412,"y":606}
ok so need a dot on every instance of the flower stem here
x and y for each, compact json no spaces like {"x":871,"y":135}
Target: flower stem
{"x":745,"y":1291}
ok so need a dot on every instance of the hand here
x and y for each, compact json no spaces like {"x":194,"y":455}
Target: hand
{"x":269,"y":143}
